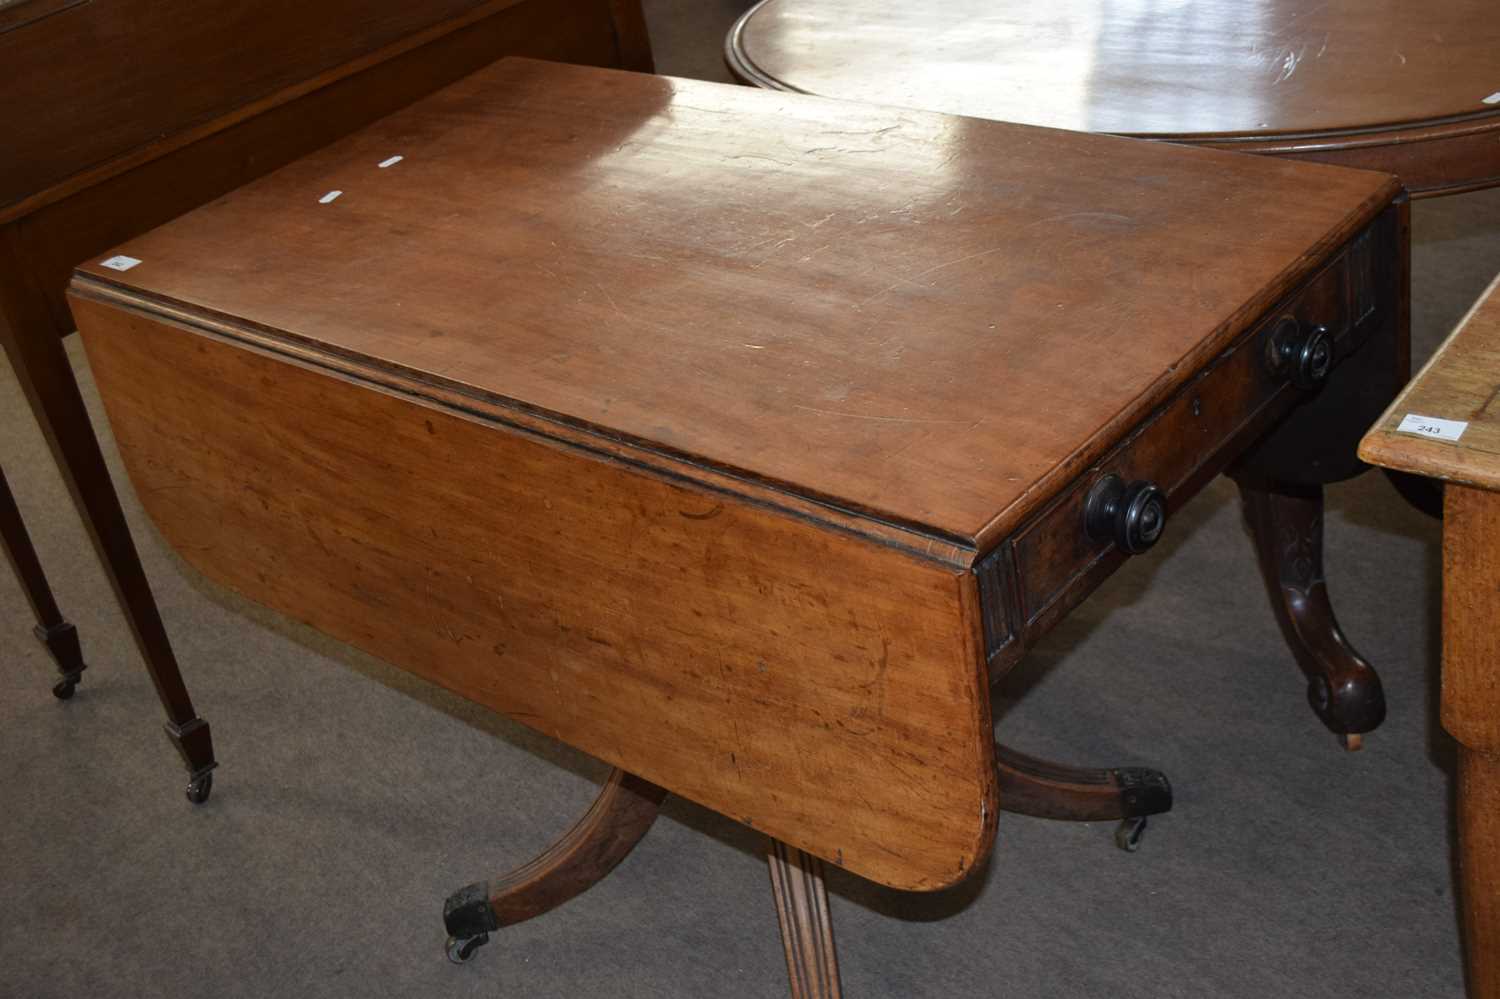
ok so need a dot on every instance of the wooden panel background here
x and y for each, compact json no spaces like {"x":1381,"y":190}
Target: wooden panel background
{"x":146,"y":187}
{"x":818,"y":686}
{"x":91,"y":80}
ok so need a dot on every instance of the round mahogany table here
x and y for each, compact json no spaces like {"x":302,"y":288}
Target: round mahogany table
{"x":1409,"y":88}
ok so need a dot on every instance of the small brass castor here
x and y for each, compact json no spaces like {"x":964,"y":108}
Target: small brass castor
{"x":63,"y":689}
{"x":1352,"y":741}
{"x":199,"y":787}
{"x":1129,"y":832}
{"x":461,"y":949}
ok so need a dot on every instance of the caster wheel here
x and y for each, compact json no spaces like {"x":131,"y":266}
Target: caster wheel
{"x":63,"y":689}
{"x":1352,"y":741}
{"x":198,"y":789}
{"x":1128,"y":834}
{"x":461,"y":949}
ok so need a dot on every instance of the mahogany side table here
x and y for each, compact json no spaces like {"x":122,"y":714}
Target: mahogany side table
{"x":120,"y":114}
{"x":1411,"y":89}
{"x":1446,"y":425}
{"x":742,"y":439}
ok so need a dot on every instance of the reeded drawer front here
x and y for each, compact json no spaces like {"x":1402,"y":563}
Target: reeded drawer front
{"x":1192,"y":436}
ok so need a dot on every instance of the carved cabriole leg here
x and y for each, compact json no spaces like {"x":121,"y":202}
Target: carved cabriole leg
{"x":30,"y":339}
{"x":52,"y":629}
{"x":621,"y":814}
{"x":812,"y":963}
{"x":1286,"y":523}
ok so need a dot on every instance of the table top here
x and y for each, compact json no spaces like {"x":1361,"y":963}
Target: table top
{"x":1446,"y":423}
{"x":1251,"y":68}
{"x":925,"y":320}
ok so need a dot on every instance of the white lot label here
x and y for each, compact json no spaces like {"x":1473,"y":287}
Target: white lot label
{"x":119,"y":263}
{"x":1431,"y":426}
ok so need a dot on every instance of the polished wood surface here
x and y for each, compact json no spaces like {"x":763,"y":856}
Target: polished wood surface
{"x":828,"y":690}
{"x":130,"y":113}
{"x":547,"y":339}
{"x":142,"y":186}
{"x":1389,"y":84}
{"x":813,"y":256}
{"x":1462,"y":383}
{"x":194,"y":65}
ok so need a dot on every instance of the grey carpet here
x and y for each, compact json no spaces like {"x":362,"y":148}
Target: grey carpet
{"x":352,"y":798}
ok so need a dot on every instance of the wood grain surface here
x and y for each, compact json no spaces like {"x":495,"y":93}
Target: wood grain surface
{"x":1479,"y":860}
{"x":1208,"y":68}
{"x":1387,"y":85}
{"x":188,"y":63}
{"x":1460,"y":383}
{"x":1471,"y":714}
{"x":126,"y":114}
{"x":825,"y":689}
{"x":81,"y":129}
{"x":931,"y":321}
{"x":139,"y":188}
{"x":1471,"y":611}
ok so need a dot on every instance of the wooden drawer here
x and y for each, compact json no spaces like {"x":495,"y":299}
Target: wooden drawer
{"x":1053,"y":561}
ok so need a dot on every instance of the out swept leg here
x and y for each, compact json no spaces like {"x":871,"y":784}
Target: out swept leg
{"x":1286,"y":523}
{"x":812,"y":962}
{"x":614,"y":824}
{"x":1029,"y":786}
{"x":30,"y":338}
{"x":52,"y":629}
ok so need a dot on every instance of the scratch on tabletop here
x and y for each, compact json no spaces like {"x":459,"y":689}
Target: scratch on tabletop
{"x":1490,"y":401}
{"x":858,"y":131}
{"x":1289,"y":64}
{"x":878,"y":419}
{"x":931,"y":270}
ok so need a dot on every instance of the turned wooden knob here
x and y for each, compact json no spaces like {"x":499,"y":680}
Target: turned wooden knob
{"x":1132,"y":516}
{"x":1303,"y":356}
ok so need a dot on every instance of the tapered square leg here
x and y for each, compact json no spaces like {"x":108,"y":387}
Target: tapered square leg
{"x":52,"y":629}
{"x":30,"y":339}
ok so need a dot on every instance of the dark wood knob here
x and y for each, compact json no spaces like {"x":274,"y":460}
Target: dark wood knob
{"x":1303,"y":356}
{"x":1132,"y":516}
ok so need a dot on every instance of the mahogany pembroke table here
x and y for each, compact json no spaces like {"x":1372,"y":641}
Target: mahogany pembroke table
{"x":742,"y":439}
